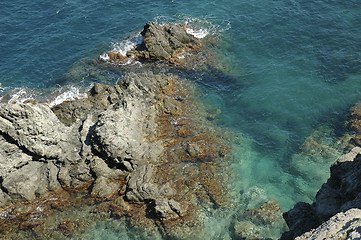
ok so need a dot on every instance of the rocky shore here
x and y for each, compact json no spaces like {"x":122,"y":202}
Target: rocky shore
{"x":143,"y":155}
{"x":336,"y":212}
{"x":141,"y":151}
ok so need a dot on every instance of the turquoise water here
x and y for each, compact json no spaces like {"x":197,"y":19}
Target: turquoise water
{"x":292,"y":70}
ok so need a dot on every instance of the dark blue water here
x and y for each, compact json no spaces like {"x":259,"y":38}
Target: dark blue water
{"x":291,"y":71}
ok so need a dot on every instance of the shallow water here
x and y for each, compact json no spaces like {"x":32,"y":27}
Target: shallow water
{"x":291,"y":69}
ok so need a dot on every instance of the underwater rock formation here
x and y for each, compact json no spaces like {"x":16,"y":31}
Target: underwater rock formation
{"x":333,"y":203}
{"x":259,"y":223}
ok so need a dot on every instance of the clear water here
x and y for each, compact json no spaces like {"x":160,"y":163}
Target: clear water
{"x":293,"y":69}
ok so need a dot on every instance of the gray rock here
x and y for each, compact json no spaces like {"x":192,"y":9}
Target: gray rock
{"x":11,"y":157}
{"x":300,"y":219}
{"x":166,"y":190}
{"x":163,"y":209}
{"x":32,"y":127}
{"x":344,"y":225}
{"x":104,"y":187}
{"x":31,"y":181}
{"x":121,"y":133}
{"x":168,"y":209}
{"x":5,"y":199}
{"x":161,"y":42}
{"x":340,"y":193}
{"x":140,"y":185}
{"x":176,"y":207}
{"x":101,"y":169}
{"x":100,"y":97}
{"x":108,"y":136}
{"x":72,"y":175}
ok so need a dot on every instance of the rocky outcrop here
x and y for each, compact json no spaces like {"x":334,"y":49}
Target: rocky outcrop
{"x":103,"y":137}
{"x":31,"y":127}
{"x":340,"y":194}
{"x":138,"y":147}
{"x":142,"y":151}
{"x":161,"y":43}
{"x":344,"y":225}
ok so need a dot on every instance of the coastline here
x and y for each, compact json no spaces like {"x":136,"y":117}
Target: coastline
{"x":126,"y":150}
{"x":145,"y":153}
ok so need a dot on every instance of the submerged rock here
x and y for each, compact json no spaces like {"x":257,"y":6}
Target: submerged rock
{"x":263,"y":222}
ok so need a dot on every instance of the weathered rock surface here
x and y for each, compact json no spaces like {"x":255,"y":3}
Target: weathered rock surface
{"x":103,"y":137}
{"x":142,"y":150}
{"x":339,"y":194}
{"x":161,"y":43}
{"x":344,"y":225}
{"x":31,"y":181}
{"x":32,"y":128}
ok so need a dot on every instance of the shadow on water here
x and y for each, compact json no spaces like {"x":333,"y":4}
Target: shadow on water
{"x":334,"y":69}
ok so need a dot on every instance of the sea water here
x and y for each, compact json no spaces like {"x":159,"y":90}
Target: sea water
{"x":291,"y":71}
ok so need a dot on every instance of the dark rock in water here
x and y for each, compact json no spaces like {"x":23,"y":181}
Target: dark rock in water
{"x":296,"y":220}
{"x":161,"y":43}
{"x":339,"y":194}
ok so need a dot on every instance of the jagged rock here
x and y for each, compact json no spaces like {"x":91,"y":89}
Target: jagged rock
{"x":74,"y":174}
{"x":104,"y":187}
{"x":32,"y":126}
{"x":344,"y":225}
{"x":119,"y":137}
{"x":5,"y":199}
{"x":168,"y":209}
{"x":31,"y":181}
{"x":342,"y":190}
{"x":176,"y":207}
{"x":140,"y":185}
{"x":340,"y":193}
{"x":118,"y":122}
{"x":300,"y":219}
{"x":69,"y":112}
{"x":11,"y":157}
{"x":100,"y":97}
{"x":121,"y":132}
{"x":166,"y":190}
{"x":117,"y":57}
{"x":101,"y":169}
{"x":164,"y":42}
{"x":114,"y":136}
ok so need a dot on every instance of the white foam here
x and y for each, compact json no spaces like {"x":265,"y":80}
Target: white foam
{"x":20,"y":95}
{"x":70,"y":94}
{"x":200,"y":28}
{"x":104,"y":57}
{"x":201,"y":33}
{"x":124,"y":46}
